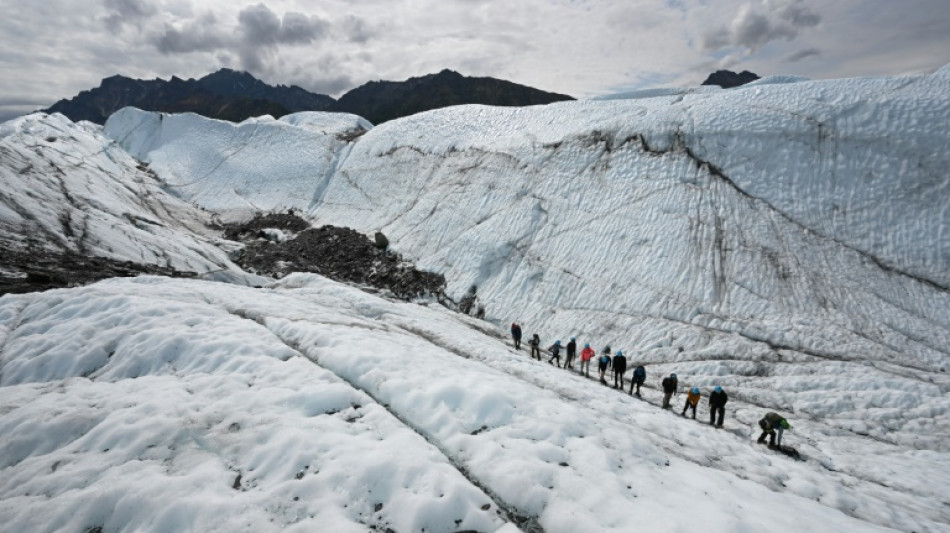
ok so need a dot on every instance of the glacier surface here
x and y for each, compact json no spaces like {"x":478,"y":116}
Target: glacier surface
{"x":787,"y":241}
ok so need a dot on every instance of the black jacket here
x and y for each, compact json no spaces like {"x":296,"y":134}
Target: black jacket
{"x":571,"y":348}
{"x":669,"y":384}
{"x":718,"y":399}
{"x":620,"y":364}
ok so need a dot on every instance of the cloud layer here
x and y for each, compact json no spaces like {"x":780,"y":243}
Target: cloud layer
{"x":55,"y":48}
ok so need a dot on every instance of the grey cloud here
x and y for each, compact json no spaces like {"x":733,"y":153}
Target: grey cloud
{"x":133,"y":9}
{"x":716,"y":39}
{"x":9,"y":112}
{"x":757,"y":24}
{"x":252,"y":59}
{"x":260,"y":26}
{"x":200,"y":35}
{"x":254,"y":42}
{"x":332,"y":84}
{"x":298,"y":28}
{"x":798,"y":15}
{"x":127,"y":11}
{"x":802,"y":54}
{"x":262,"y":32}
{"x":24,"y":101}
{"x":356,"y":29}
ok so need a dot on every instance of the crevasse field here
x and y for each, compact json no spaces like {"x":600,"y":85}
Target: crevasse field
{"x":786,"y":241}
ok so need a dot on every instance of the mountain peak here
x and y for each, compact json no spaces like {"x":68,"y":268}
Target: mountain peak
{"x":380,"y":101}
{"x":728,"y":79}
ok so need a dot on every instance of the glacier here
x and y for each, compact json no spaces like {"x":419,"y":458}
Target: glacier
{"x":786,"y":240}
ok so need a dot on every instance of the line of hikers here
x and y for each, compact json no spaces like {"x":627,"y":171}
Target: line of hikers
{"x":771,"y":424}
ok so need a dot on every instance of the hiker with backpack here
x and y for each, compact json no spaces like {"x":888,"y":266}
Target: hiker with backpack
{"x":692,"y":400}
{"x":620,"y":366}
{"x":516,"y":335}
{"x":586,"y":355}
{"x":639,"y":378}
{"x":571,"y":353}
{"x":604,"y":363}
{"x":555,"y":350}
{"x":717,"y":405}
{"x":771,"y":424}
{"x":669,"y":384}
{"x":535,"y":344}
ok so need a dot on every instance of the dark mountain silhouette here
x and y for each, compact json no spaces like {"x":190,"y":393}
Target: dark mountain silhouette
{"x":174,"y":96}
{"x":379,"y":101}
{"x":728,"y":79}
{"x":232,"y":95}
{"x":241,"y":84}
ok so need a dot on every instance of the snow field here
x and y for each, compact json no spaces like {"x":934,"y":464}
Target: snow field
{"x":556,"y":419}
{"x":226,"y":431}
{"x":239,"y":399}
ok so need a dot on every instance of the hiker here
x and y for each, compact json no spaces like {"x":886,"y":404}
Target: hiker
{"x":770,"y":424}
{"x":516,"y":335}
{"x":639,"y":377}
{"x":571,"y":354}
{"x":692,"y":400}
{"x":669,"y":384}
{"x":586,"y":355}
{"x":535,"y":344}
{"x":717,"y":404}
{"x":604,"y":363}
{"x":555,"y":350}
{"x":620,"y":366}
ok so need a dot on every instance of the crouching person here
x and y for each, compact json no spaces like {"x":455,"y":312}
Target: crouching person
{"x":692,"y":400}
{"x":771,"y":424}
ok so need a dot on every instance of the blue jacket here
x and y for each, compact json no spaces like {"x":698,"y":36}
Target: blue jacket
{"x":640,"y":374}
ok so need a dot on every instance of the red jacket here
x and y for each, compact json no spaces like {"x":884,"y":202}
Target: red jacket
{"x":587,"y":354}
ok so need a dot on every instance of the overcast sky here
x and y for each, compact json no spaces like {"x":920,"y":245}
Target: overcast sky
{"x":52,"y":49}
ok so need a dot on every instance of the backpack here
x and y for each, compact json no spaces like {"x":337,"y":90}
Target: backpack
{"x":640,"y":373}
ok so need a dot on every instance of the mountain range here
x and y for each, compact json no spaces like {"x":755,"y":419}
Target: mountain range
{"x":233,"y":95}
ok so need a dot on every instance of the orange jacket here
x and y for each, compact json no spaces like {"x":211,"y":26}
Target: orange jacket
{"x":587,"y":354}
{"x":693,"y":399}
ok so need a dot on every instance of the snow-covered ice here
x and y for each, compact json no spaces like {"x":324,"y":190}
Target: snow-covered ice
{"x":156,"y":404}
{"x":785,"y":240}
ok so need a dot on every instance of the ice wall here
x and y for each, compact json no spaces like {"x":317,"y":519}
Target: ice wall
{"x":808,"y":217}
{"x":260,"y":164}
{"x":65,"y":187}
